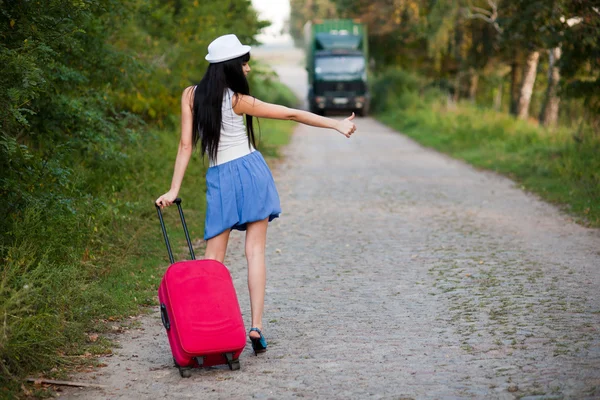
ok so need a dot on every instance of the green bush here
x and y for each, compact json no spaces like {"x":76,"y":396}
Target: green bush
{"x":394,"y":87}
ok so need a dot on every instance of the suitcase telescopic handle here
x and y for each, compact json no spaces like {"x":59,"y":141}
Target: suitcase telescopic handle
{"x":185,"y":230}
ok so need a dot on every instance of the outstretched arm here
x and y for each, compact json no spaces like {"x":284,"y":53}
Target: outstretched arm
{"x":251,"y":106}
{"x":184,"y":152}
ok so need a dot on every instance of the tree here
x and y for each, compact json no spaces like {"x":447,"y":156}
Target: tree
{"x":395,"y":30}
{"x":527,"y":82}
{"x":302,"y":11}
{"x":549,"y":114}
{"x":580,"y":60}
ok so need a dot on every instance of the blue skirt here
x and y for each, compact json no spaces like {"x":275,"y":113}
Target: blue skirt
{"x":238,"y":192}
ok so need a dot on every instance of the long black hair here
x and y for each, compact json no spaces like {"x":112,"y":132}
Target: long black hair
{"x":208,"y":101}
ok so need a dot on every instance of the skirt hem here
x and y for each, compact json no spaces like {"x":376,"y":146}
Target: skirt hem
{"x":241,"y":226}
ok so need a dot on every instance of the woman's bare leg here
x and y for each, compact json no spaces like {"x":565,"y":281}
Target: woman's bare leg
{"x":216,"y":247}
{"x":256,"y":239}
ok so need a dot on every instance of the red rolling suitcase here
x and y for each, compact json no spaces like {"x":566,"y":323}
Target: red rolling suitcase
{"x":200,"y":310}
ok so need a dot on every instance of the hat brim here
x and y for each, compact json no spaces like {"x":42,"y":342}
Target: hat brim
{"x":243,"y":50}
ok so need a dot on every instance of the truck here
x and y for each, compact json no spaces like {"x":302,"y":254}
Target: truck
{"x":336,"y":63}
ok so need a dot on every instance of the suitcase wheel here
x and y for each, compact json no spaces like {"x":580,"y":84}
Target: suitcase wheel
{"x":234,"y":365}
{"x":185,"y":372}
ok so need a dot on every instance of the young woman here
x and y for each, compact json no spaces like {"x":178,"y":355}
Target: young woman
{"x":241,"y":193}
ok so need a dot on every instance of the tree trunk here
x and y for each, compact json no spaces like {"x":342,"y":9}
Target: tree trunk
{"x":549,"y":113}
{"x":473,"y":81}
{"x":458,"y":43}
{"x":498,"y":97}
{"x":516,"y":72}
{"x":529,"y":74}
{"x":457,"y":87}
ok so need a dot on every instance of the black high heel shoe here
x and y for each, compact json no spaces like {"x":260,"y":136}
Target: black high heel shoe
{"x":259,"y":345}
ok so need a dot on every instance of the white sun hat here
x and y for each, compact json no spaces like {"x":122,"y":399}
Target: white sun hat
{"x":226,"y":47}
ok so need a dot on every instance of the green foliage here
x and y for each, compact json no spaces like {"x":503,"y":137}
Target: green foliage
{"x":562,"y":166}
{"x":580,"y":62}
{"x":169,"y":38}
{"x":58,"y":124}
{"x":395,"y":86}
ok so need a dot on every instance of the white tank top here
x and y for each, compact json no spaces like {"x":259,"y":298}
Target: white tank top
{"x":233,"y":142}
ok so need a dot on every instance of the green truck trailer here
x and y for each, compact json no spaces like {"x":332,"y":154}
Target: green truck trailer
{"x":336,"y":62}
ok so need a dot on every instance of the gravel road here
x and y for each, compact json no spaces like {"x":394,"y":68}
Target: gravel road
{"x":395,"y":272}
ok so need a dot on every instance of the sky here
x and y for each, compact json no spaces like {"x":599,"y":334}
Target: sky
{"x":276,"y":11}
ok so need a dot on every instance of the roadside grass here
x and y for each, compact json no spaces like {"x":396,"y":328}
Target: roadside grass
{"x":273,"y":136}
{"x":62,"y":308}
{"x":559,"y":166}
